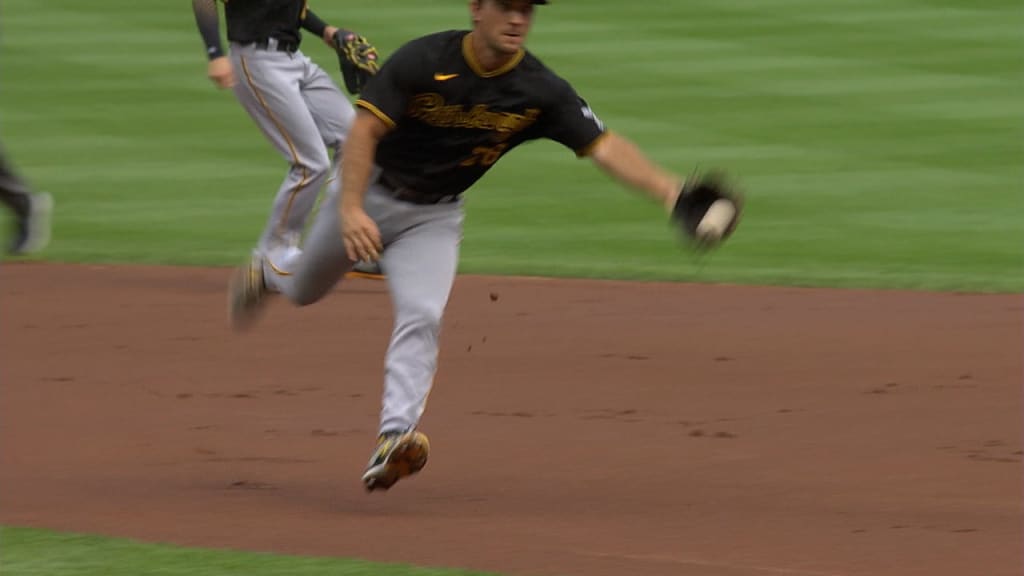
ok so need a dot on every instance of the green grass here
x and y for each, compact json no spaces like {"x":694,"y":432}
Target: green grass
{"x":31,"y":552}
{"x":879,"y":141}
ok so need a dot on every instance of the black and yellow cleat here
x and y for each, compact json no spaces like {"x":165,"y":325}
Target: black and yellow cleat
{"x":398,"y":454}
{"x":247,"y":294}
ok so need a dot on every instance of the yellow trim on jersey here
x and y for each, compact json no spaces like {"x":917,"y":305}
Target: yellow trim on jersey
{"x":291,"y":145}
{"x":474,"y":64}
{"x":589,"y":148}
{"x":375,"y":111}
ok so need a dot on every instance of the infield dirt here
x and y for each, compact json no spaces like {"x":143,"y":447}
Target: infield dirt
{"x":578,"y":427}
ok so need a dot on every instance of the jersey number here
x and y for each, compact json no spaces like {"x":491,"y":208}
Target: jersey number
{"x":484,"y":155}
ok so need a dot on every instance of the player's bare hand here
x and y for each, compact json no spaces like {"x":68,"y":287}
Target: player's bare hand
{"x":361,"y":235}
{"x":221,"y":72}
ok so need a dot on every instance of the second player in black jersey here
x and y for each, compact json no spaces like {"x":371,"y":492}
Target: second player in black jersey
{"x":293,"y":101}
{"x":443,"y":110}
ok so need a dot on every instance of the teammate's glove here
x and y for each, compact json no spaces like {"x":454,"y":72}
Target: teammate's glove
{"x":707,"y":210}
{"x":358,"y":59}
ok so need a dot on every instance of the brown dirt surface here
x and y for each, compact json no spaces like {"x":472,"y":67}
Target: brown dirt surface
{"x":578,"y":427}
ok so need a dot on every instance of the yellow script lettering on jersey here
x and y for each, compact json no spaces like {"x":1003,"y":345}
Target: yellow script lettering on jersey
{"x":431,"y":109}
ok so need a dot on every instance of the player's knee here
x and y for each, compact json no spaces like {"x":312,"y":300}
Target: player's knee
{"x":422,"y":317}
{"x":315,"y":167}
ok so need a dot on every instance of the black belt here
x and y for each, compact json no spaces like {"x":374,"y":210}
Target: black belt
{"x":406,"y":194}
{"x":275,"y":44}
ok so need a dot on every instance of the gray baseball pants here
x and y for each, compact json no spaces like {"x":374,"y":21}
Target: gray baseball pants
{"x":421,"y":252}
{"x":305,"y":116}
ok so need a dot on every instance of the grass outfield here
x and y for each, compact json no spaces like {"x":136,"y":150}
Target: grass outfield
{"x":880,"y":142}
{"x":30,"y":552}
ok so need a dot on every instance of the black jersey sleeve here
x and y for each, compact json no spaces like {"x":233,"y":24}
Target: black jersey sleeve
{"x":208,"y":22}
{"x":386,"y":95}
{"x":570,"y":121}
{"x":313,"y":23}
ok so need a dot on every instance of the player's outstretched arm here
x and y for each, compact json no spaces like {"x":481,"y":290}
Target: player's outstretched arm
{"x":219,"y":69}
{"x":623,"y":160}
{"x":705,"y":208}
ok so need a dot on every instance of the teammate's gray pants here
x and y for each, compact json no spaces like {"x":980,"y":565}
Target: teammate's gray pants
{"x":304,"y":115}
{"x":14,"y":192}
{"x":421,"y":252}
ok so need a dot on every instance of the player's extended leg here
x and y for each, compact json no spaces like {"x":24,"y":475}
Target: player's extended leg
{"x":321,"y":263}
{"x":421,"y":261}
{"x":421,"y":256}
{"x":421,"y":264}
{"x":312,"y":270}
{"x":269,"y":89}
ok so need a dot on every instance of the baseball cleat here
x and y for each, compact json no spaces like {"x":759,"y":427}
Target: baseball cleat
{"x":368,"y":270}
{"x":398,"y":454}
{"x":33,"y":227}
{"x":247,"y":293}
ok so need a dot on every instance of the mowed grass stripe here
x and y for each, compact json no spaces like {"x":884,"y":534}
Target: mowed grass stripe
{"x":787,"y":112}
{"x":852,"y":130}
{"x":32,"y":552}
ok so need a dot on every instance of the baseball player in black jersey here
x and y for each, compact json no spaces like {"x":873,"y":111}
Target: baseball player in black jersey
{"x":31,"y":211}
{"x":292,"y":100}
{"x":441,"y":111}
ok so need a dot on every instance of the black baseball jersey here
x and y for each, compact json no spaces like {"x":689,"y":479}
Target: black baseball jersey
{"x":452,"y":121}
{"x":255,"y":20}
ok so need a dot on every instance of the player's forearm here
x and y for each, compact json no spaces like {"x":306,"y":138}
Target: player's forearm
{"x":315,"y":24}
{"x":357,"y":159}
{"x":624,"y":161}
{"x":208,"y":22}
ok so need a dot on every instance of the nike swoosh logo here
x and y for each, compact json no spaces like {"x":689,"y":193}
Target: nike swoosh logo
{"x":443,"y":77}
